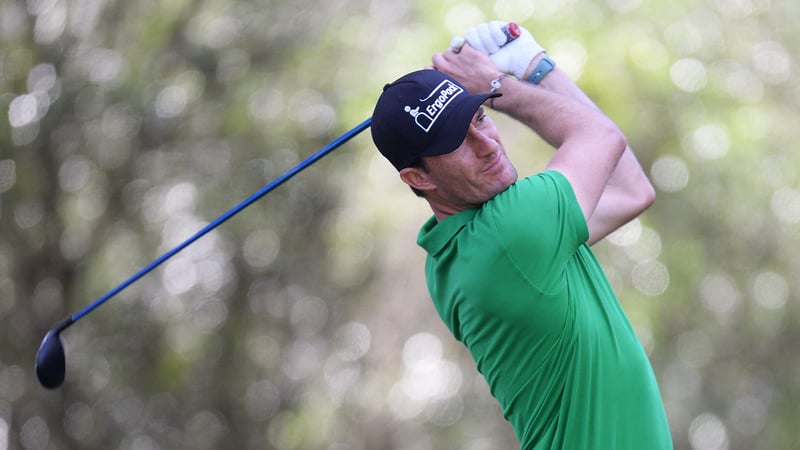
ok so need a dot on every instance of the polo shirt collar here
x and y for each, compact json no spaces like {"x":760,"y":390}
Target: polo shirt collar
{"x":434,"y":236}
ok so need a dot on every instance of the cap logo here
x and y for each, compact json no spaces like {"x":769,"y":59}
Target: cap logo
{"x":432,"y":106}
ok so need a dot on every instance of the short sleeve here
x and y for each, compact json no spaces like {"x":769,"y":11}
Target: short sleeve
{"x":540,"y":224}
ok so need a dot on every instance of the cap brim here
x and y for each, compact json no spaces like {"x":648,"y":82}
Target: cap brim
{"x":457,"y":125}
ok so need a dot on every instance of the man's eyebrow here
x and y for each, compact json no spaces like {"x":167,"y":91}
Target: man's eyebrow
{"x":478,"y":113}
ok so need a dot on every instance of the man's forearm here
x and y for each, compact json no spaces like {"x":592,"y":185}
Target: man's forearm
{"x":554,"y":115}
{"x":629,"y":191}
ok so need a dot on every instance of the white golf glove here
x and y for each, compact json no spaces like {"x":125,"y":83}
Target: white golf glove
{"x":513,"y":57}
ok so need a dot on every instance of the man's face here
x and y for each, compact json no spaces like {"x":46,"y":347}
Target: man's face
{"x":476,"y":171}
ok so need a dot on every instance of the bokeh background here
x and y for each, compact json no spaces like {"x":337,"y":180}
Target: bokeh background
{"x":304,"y":322}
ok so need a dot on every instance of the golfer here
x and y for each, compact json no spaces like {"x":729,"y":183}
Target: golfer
{"x":509,"y":266}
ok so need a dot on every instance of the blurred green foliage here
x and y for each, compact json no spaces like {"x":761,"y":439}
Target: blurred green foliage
{"x":304,"y":322}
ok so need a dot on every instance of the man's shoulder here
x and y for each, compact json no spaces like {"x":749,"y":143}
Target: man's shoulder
{"x":536,"y":188}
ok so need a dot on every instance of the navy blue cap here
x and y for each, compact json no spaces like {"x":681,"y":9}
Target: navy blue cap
{"x":424,"y":113}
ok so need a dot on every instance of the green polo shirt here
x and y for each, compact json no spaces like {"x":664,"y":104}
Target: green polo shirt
{"x":515,"y":282}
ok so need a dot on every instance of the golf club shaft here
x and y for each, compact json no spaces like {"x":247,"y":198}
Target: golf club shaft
{"x":232,"y":212}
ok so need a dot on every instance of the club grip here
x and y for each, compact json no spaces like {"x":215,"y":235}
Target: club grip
{"x":511,"y":31}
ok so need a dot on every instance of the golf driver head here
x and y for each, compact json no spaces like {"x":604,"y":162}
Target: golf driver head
{"x":50,"y":360}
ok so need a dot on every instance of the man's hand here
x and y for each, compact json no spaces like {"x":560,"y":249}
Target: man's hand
{"x":470,"y":67}
{"x":512,"y":58}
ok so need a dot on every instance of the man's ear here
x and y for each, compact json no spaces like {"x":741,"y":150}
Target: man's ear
{"x":417,"y":178}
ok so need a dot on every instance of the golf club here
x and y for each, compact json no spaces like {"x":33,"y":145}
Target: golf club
{"x":50,"y":359}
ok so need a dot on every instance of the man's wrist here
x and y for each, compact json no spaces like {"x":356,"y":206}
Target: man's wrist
{"x":495,"y":85}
